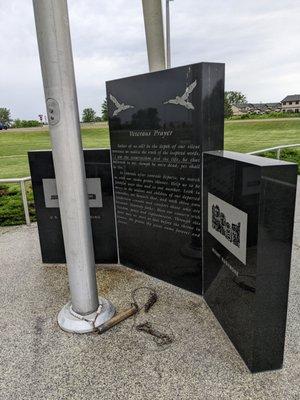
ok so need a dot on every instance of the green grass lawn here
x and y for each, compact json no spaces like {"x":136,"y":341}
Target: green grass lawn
{"x":242,"y":136}
{"x":250,"y":135}
{"x":15,"y":145}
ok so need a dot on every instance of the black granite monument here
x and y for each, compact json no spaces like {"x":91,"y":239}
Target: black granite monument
{"x":237,"y":223}
{"x":99,"y":184}
{"x":159,"y":124}
{"x":248,"y":215}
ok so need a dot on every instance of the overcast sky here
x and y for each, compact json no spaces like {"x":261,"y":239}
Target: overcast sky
{"x":259,"y":40}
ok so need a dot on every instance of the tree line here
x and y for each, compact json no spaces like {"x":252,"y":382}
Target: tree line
{"x":90,"y":115}
{"x":6,"y":120}
{"x":230,"y":98}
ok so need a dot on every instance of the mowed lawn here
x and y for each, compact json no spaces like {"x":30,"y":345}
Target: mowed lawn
{"x":250,"y":135}
{"x":243,"y":136}
{"x":15,"y":145}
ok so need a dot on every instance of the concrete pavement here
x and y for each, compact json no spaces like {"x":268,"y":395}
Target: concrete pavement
{"x":39,"y":361}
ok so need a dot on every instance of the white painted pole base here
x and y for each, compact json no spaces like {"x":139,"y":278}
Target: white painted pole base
{"x":71,"y":322}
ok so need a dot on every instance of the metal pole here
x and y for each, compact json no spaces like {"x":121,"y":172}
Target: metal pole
{"x":168,"y":35}
{"x":154,"y":29}
{"x":25,"y":203}
{"x":53,"y":34}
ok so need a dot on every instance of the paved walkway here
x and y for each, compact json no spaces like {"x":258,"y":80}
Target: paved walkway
{"x":39,"y":361}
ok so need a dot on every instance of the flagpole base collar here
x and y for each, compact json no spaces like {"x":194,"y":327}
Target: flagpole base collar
{"x":70,"y":321}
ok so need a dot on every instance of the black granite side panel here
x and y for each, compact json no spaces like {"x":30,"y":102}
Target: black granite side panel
{"x":228,"y":283}
{"x":249,"y":297}
{"x":275,"y":237}
{"x":97,"y":164}
{"x":156,"y":152}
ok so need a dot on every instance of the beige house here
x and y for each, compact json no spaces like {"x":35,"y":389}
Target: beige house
{"x":291,"y":103}
{"x":240,"y":109}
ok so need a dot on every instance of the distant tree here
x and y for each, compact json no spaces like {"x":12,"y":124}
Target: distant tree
{"x":17,"y":123}
{"x":104,"y":111}
{"x":231,"y":98}
{"x":235,"y":97}
{"x":227,"y":108}
{"x":5,"y":115}
{"x":88,"y":115}
{"x":97,"y":119}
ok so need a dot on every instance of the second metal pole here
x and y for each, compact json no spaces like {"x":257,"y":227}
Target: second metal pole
{"x":168,"y":35}
{"x":154,"y":34}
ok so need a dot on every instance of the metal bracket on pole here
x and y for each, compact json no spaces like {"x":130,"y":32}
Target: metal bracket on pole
{"x":53,"y":34}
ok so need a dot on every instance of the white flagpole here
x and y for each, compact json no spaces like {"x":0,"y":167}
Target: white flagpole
{"x":84,"y":312}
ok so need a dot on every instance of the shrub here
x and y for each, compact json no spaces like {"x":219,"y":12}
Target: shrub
{"x":11,"y":206}
{"x":18,"y":123}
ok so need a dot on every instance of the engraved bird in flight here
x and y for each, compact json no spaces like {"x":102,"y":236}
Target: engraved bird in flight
{"x":120,"y":106}
{"x":183,"y":100}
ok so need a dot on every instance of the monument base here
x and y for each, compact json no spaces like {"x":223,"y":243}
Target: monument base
{"x":70,"y":321}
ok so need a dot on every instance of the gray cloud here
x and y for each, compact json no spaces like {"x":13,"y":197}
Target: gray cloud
{"x":258,"y":41}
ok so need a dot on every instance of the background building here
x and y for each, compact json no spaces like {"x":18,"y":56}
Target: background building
{"x":291,"y":103}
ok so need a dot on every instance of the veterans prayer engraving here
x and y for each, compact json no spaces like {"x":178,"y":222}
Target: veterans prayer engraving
{"x":156,"y":147}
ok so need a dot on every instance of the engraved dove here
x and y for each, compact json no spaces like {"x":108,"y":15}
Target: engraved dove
{"x":120,"y":106}
{"x":183,"y":100}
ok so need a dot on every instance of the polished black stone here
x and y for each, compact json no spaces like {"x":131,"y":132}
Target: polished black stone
{"x":248,"y":215}
{"x":98,"y":166}
{"x":159,"y":125}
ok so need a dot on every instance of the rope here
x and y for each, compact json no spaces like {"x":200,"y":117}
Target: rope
{"x":161,"y":339}
{"x":82,"y":318}
{"x":149,"y":303}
